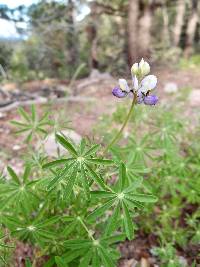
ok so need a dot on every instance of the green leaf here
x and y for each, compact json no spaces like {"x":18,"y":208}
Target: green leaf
{"x":134,"y":185}
{"x":60,"y":176}
{"x":122,"y":176}
{"x":13,"y":175}
{"x":47,"y":222}
{"x":100,"y":161}
{"x":28,"y":263}
{"x":24,"y":114}
{"x":70,"y":182}
{"x":99,"y":211}
{"x":92,"y":150}
{"x":73,"y":254}
{"x":114,"y":239}
{"x":106,"y":258}
{"x":50,"y":263}
{"x":77,"y":244}
{"x":86,"y":187}
{"x":60,"y":262}
{"x":113,"y":221}
{"x":86,"y":259}
{"x":33,"y":113}
{"x":69,"y":228}
{"x":66,"y":144}
{"x":82,"y":146}
{"x":128,"y":224}
{"x":143,"y":198}
{"x":96,"y":259}
{"x":133,"y":204}
{"x":102,"y":194}
{"x":56,"y":163}
{"x":26,"y":173}
{"x":98,"y":180}
{"x":20,"y":124}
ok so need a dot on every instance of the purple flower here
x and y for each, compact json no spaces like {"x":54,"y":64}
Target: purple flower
{"x":150,"y":99}
{"x":119,"y":93}
{"x":142,"y":85}
{"x":140,"y":97}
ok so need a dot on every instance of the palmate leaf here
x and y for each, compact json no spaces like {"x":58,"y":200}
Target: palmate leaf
{"x":82,"y":161}
{"x":35,"y":229}
{"x":31,"y":124}
{"x":19,"y":190}
{"x":121,"y":198}
{"x":94,"y":252}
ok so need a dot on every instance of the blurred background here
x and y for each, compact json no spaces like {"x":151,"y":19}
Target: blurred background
{"x":55,"y":39}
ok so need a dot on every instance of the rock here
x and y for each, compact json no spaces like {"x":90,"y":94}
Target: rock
{"x":16,"y":147}
{"x":194,"y":98}
{"x":51,"y":146}
{"x":171,"y":88}
{"x":2,"y":115}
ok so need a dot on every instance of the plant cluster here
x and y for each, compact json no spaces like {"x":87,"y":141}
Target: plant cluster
{"x":74,"y":209}
{"x":67,"y":208}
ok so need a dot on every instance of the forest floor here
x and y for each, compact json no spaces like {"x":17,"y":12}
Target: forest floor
{"x":84,"y":115}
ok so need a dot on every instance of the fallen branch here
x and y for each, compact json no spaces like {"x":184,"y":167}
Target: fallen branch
{"x":43,"y":100}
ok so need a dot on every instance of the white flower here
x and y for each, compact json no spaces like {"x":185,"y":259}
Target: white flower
{"x":135,"y":83}
{"x":148,"y":83}
{"x":124,"y":85}
{"x":135,"y":69}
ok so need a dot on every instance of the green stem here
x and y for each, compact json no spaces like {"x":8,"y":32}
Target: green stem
{"x":85,"y":227}
{"x":117,"y":136}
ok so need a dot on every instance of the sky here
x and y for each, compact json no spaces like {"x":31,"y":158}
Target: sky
{"x":7,"y":29}
{"x":15,"y":3}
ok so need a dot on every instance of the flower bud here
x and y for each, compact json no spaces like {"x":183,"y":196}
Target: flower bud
{"x":144,"y":67}
{"x":135,"y":69}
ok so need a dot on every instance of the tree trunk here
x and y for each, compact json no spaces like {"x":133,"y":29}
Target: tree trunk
{"x":71,"y":38}
{"x":133,"y":15}
{"x":92,"y":30}
{"x":166,"y":34}
{"x":144,"y":34}
{"x":191,"y":28}
{"x":180,"y":12}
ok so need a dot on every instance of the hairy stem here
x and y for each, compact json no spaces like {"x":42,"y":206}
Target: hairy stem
{"x":118,"y":135}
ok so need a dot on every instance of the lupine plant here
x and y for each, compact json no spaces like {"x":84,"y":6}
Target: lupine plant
{"x":68,"y":208}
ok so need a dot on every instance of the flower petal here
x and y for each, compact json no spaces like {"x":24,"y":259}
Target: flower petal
{"x":124,"y":85}
{"x":135,"y":83}
{"x":148,"y":83}
{"x":119,"y":93}
{"x":141,"y":64}
{"x":150,"y":100}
